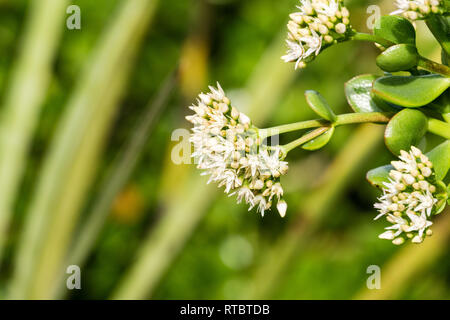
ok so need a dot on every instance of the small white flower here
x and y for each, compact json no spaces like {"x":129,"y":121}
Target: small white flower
{"x":398,"y":225}
{"x":295,"y":53}
{"x":419,"y":224}
{"x":244,"y":193}
{"x":253,"y":164}
{"x":402,"y":5}
{"x":328,"y":8}
{"x":306,"y":7}
{"x":425,"y":202}
{"x":388,"y":235}
{"x":261,"y":204}
{"x":282,"y":207}
{"x":271,"y":162}
{"x":313,"y":43}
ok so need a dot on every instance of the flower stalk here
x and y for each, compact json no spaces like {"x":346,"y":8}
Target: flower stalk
{"x":343,"y":119}
{"x":302,"y":140}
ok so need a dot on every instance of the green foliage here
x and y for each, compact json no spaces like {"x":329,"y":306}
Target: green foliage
{"x":398,"y":57}
{"x":358,"y":91}
{"x":378,"y":176}
{"x":319,"y":105}
{"x":395,"y":29}
{"x":410,"y":91}
{"x":320,"y":141}
{"x":404,"y":130}
{"x":440,"y":157}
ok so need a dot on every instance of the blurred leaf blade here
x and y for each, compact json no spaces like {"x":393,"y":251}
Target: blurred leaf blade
{"x":73,"y":154}
{"x":119,"y":174}
{"x":28,"y":87}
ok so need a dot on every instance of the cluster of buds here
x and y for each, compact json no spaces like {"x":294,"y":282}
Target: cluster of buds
{"x":228,"y":148}
{"x":408,"y":198}
{"x":317,"y":25}
{"x":419,"y":9}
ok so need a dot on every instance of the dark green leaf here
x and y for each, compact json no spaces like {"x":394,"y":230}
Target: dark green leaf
{"x":440,"y":157}
{"x":405,"y":129}
{"x":398,"y":58}
{"x":439,"y":27}
{"x":395,"y":29}
{"x":379,"y":175}
{"x":441,"y":195}
{"x":410,"y":91}
{"x":320,"y":141}
{"x":358,"y":91}
{"x":319,"y":105}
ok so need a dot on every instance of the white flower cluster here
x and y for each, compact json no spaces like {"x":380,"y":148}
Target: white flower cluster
{"x":419,"y":9}
{"x":317,"y":25}
{"x":227,"y":147}
{"x":408,"y":199}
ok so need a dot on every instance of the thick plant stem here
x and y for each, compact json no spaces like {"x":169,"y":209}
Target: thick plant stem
{"x":439,"y":127}
{"x":434,"y":66}
{"x":373,"y":38}
{"x":308,"y":124}
{"x":343,"y":119}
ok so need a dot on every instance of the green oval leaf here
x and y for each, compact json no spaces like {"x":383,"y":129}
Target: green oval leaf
{"x":395,"y":29}
{"x":440,"y":157}
{"x":379,"y":175}
{"x":358,"y":91}
{"x":441,"y":204}
{"x":410,"y":91}
{"x":319,"y":105}
{"x":398,"y":58}
{"x":441,"y":195}
{"x":320,"y":141}
{"x":405,"y":129}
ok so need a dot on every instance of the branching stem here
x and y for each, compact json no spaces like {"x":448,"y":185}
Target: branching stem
{"x":343,"y":119}
{"x":434,"y":66}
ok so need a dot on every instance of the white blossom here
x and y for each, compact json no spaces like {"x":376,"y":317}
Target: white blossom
{"x":419,"y":9}
{"x":228,"y":149}
{"x":408,"y":198}
{"x":295,"y":53}
{"x":328,"y":8}
{"x":317,"y":25}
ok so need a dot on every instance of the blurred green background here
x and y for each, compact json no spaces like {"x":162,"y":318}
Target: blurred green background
{"x":86,"y":174}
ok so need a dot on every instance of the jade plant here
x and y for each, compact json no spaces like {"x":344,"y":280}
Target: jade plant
{"x":411,"y":98}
